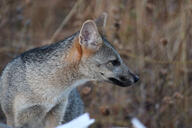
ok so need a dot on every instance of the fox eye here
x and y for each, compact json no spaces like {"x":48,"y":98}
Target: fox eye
{"x":114,"y":62}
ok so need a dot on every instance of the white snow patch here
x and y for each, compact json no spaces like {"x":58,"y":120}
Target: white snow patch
{"x":136,"y":123}
{"x":82,"y":121}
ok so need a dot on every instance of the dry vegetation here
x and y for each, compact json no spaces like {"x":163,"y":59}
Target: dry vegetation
{"x":153,"y":36}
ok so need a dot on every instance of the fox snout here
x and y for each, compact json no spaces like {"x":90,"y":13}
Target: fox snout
{"x":124,"y":81}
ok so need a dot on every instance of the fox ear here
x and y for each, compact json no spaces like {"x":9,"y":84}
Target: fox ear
{"x":89,"y":36}
{"x":101,"y":20}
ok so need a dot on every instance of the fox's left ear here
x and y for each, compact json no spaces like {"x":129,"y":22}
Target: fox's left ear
{"x":101,"y":21}
{"x":89,"y":36}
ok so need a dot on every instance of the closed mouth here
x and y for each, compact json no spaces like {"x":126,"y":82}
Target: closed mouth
{"x":120,"y":83}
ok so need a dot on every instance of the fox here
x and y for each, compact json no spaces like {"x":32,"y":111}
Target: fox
{"x":38,"y":89}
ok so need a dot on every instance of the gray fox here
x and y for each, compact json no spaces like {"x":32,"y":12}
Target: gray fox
{"x":38,"y":88}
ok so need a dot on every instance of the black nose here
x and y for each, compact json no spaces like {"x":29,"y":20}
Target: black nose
{"x":135,"y":78}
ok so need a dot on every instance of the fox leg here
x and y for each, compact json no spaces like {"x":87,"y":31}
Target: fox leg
{"x":75,"y":106}
{"x":10,"y":120}
{"x":29,"y":117}
{"x":55,"y":116}
{"x":7,"y":110}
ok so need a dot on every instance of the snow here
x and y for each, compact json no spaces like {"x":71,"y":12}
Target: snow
{"x":82,"y":121}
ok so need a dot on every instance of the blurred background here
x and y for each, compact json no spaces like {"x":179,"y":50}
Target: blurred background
{"x":154,"y":37}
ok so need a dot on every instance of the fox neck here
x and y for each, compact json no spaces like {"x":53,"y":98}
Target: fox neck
{"x":71,"y":71}
{"x":71,"y":75}
{"x":74,"y":61}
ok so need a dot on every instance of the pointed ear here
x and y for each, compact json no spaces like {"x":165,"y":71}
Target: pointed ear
{"x":101,"y":20}
{"x":89,"y":36}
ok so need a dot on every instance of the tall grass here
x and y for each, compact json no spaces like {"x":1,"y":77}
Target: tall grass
{"x":153,"y":37}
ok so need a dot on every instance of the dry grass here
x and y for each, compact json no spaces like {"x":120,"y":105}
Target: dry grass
{"x":153,"y":36}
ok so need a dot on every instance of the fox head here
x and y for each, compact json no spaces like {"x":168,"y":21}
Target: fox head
{"x":100,"y":61}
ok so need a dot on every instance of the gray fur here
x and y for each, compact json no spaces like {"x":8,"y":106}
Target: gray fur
{"x":29,"y":77}
{"x":38,"y":88}
{"x":75,"y":106}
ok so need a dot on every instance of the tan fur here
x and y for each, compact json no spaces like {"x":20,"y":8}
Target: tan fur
{"x":87,"y":52}
{"x":75,"y":52}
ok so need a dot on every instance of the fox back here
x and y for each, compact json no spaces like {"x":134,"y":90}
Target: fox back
{"x":36,"y":86}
